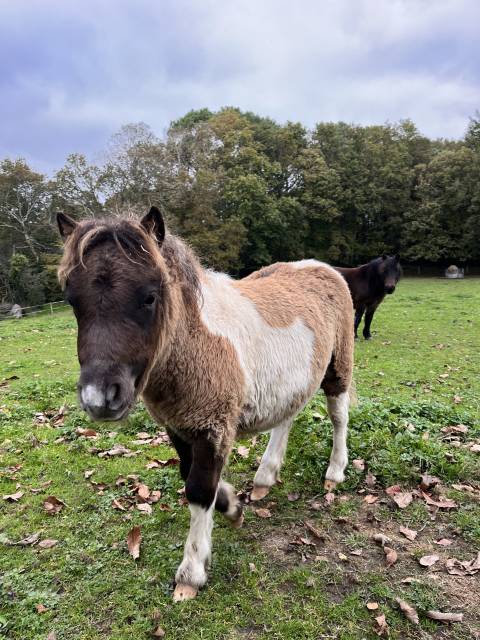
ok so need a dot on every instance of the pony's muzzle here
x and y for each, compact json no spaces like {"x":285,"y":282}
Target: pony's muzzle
{"x":390,"y":288}
{"x":105,"y":399}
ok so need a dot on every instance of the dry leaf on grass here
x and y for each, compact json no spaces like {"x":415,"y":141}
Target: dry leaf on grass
{"x":88,"y":474}
{"x":359,"y":464}
{"x":428,"y":482}
{"x":53,"y":505}
{"x":475,"y":448}
{"x":13,"y":497}
{"x":41,"y":608}
{"x":116,"y":450}
{"x":329,"y":497}
{"x":153,"y":464}
{"x":133,"y":542}
{"x":86,"y":433}
{"x":292,"y":497}
{"x":402,"y":499}
{"x":144,"y":507}
{"x":372,"y":606}
{"x":445,"y":617}
{"x":445,"y":503}
{"x":463,"y":567}
{"x":370,"y":499}
{"x":263,"y":513}
{"x":52,"y":636}
{"x":316,"y":532}
{"x":158,"y":633}
{"x":382,"y":626}
{"x":410,"y":534}
{"x":429,"y":561}
{"x":381,"y":538}
{"x":409,"y":611}
{"x":243,"y":451}
{"x":47,"y":544}
{"x":456,"y":428}
{"x":444,"y":542}
{"x":391,"y":491}
{"x":370,"y":479}
{"x":25,"y":542}
{"x":390,"y":556}
{"x":143,"y":491}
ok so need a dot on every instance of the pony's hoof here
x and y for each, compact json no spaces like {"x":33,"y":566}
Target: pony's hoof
{"x":184,"y":592}
{"x":330,"y":485}
{"x":258,"y":493}
{"x":236,"y":524}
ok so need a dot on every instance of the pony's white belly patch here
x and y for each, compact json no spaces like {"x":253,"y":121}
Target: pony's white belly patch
{"x":276,"y":362}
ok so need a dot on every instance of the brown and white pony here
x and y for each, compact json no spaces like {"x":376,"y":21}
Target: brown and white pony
{"x":213,"y":358}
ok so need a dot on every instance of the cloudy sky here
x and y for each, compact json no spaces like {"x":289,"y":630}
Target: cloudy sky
{"x":71,"y":73}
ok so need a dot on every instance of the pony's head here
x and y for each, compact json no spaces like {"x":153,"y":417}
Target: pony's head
{"x":116,"y":279}
{"x":389,"y":271}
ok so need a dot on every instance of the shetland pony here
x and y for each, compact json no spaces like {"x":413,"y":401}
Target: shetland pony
{"x":213,"y":358}
{"x":369,"y":284}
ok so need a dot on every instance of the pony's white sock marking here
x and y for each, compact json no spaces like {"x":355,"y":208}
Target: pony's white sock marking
{"x":196,"y":557}
{"x":338,"y":412}
{"x":272,"y":459}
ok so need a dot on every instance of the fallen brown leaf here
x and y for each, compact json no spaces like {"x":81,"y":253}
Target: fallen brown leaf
{"x":158,"y":633}
{"x":25,"y":542}
{"x":410,"y":613}
{"x":370,"y":499}
{"x":444,"y":542}
{"x":88,"y":474}
{"x":359,"y":464}
{"x":292,"y":497}
{"x":144,"y":507}
{"x":391,"y":491}
{"x":116,"y":504}
{"x":329,"y":497}
{"x":243,"y":451}
{"x":382,"y":626}
{"x":456,"y":428}
{"x":316,"y":532}
{"x":446,"y":503}
{"x":14,"y":497}
{"x":390,"y":556}
{"x":143,"y":491}
{"x":134,"y":539}
{"x":372,"y":606}
{"x":428,"y":561}
{"x":445,"y":617}
{"x":47,"y":544}
{"x":263,"y":513}
{"x":116,"y":450}
{"x":475,"y":448}
{"x":370,"y":479}
{"x":381,"y":538}
{"x":41,"y":608}
{"x":428,"y":482}
{"x":86,"y":433}
{"x":402,"y":499}
{"x":410,"y":534}
{"x":53,"y":505}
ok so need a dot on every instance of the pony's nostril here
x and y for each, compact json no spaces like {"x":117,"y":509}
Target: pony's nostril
{"x":113,"y":393}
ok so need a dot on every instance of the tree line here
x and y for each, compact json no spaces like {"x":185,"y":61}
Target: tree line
{"x":246,"y":191}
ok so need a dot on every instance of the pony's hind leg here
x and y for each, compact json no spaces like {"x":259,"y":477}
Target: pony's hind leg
{"x":338,"y":412}
{"x":272,"y":460}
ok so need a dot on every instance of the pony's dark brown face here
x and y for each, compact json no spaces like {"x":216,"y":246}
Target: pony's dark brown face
{"x":118,"y":297}
{"x":390,"y":272}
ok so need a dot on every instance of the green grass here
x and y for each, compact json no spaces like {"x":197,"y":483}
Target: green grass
{"x":92,"y":588}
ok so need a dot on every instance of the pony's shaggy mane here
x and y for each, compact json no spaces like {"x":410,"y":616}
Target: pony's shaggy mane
{"x":138,"y":246}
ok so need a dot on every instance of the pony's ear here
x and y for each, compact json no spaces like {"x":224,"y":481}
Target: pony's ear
{"x":384,"y":256}
{"x":66,"y":225}
{"x":397,"y":257}
{"x":153,"y":223}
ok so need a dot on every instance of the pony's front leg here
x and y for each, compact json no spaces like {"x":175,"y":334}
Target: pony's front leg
{"x":201,"y":491}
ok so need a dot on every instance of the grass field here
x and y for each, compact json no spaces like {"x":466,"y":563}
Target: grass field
{"x":274,"y":578}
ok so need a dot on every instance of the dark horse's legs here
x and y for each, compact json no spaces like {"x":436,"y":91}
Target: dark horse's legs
{"x":358,"y":317}
{"x":368,"y":321}
{"x":200,"y":467}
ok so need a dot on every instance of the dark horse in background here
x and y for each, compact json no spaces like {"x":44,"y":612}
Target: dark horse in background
{"x":369,"y":284}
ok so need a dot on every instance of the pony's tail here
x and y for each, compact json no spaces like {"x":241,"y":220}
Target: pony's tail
{"x":352,"y":394}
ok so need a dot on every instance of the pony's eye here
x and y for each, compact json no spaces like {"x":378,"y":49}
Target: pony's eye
{"x":149,"y":300}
